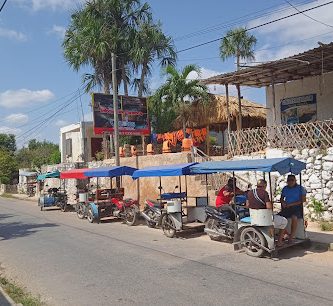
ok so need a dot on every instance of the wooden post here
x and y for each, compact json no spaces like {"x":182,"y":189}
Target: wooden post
{"x":138,"y":180}
{"x":239,"y":107}
{"x":143,"y":144}
{"x":228,"y":110}
{"x":208,"y":140}
{"x":273,"y":100}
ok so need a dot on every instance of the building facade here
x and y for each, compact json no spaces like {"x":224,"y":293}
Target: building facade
{"x":79,"y":143}
{"x":301,"y":101}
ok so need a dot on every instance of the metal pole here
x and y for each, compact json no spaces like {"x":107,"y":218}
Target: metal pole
{"x":115,"y":109}
{"x":207,"y":187}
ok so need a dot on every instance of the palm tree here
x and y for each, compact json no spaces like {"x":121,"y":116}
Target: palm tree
{"x":180,"y":91}
{"x":100,"y":28}
{"x":238,"y":43}
{"x":151,"y":44}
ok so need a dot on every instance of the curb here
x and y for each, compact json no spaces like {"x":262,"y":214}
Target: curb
{"x":8,"y":298}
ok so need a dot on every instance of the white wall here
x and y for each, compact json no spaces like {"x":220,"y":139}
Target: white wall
{"x":321,"y":86}
{"x":74,"y":132}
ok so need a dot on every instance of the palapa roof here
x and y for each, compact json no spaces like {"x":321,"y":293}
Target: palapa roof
{"x":214,"y":113}
{"x":309,"y":63}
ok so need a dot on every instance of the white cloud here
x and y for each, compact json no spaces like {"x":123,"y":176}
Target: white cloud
{"x":295,"y":34}
{"x":61,"y":122}
{"x":204,"y":74}
{"x":58,"y":31}
{"x":9,"y":130}
{"x":17,"y":118}
{"x":37,"y":5}
{"x":12,"y":34}
{"x":24,"y":97}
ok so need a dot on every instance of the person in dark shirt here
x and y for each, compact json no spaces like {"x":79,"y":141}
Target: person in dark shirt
{"x":292,"y":198}
{"x":259,"y":199}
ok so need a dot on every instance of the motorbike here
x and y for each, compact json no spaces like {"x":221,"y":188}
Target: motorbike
{"x":152,"y":213}
{"x":153,"y":210}
{"x":221,"y":224}
{"x":126,"y":209}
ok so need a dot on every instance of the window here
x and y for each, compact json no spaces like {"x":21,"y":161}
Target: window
{"x":69,"y":147}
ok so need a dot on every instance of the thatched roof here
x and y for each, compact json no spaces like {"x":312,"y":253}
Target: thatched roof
{"x":214,"y":114}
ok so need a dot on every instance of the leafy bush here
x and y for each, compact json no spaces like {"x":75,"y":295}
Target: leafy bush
{"x":326,"y":226}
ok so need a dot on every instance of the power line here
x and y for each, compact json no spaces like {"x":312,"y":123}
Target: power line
{"x":263,"y":49}
{"x":239,"y":20}
{"x":2,"y":6}
{"x":257,"y":26}
{"x":46,"y":120}
{"x":316,"y":20}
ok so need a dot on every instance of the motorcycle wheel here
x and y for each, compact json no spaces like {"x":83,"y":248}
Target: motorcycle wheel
{"x":168,"y":226}
{"x":150,"y":224}
{"x":90,"y":216}
{"x":130,"y":216}
{"x":80,"y":211}
{"x":252,"y":239}
{"x":210,"y":224}
{"x":63,"y":206}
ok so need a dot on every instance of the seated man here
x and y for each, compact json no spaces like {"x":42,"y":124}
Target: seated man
{"x":259,"y":199}
{"x":292,"y":198}
{"x":226,"y":194}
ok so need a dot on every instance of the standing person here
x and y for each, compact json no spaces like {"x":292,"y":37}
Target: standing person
{"x":226,"y":194}
{"x":292,"y":198}
{"x":259,"y":199}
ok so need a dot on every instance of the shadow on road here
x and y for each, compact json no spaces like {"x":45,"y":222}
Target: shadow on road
{"x":12,"y":230}
{"x":5,"y":216}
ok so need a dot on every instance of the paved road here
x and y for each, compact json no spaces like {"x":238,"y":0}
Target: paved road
{"x":71,"y":262}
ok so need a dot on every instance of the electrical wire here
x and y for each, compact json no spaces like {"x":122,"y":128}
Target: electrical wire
{"x":316,"y":20}
{"x":3,"y":5}
{"x":237,"y":21}
{"x":257,"y":26}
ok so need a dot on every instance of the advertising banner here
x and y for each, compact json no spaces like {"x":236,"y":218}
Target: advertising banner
{"x":299,"y":109}
{"x":132,"y":115}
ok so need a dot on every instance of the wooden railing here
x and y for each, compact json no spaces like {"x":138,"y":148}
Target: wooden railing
{"x":318,"y":134}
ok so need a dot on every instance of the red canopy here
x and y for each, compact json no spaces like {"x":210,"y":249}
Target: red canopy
{"x":73,"y":174}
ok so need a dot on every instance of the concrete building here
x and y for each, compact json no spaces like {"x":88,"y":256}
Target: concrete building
{"x":79,"y":143}
{"x":301,"y":101}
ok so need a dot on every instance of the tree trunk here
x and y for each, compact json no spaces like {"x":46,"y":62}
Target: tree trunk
{"x":123,"y":76}
{"x":184,"y":128}
{"x":142,"y":79}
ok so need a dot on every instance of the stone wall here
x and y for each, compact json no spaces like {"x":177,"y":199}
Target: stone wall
{"x":317,"y":179}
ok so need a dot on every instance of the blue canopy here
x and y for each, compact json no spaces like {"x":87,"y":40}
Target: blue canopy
{"x":109,"y":171}
{"x":165,"y":170}
{"x":281,"y":165}
{"x":53,"y":174}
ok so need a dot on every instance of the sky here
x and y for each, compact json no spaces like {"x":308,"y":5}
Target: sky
{"x":39,"y":92}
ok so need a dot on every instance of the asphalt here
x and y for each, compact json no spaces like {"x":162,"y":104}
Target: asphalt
{"x":71,"y":262}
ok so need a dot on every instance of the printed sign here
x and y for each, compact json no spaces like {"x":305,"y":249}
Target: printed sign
{"x":299,"y":109}
{"x":132,"y":115}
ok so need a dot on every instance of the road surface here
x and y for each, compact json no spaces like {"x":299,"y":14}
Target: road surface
{"x":72,"y":262}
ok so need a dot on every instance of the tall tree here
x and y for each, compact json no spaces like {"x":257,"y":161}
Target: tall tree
{"x":240,"y":44}
{"x":8,"y":167}
{"x":100,"y":28}
{"x":180,"y":91}
{"x":151,"y":44}
{"x":8,"y":142}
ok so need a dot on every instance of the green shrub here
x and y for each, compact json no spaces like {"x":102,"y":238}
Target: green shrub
{"x":326,"y":226}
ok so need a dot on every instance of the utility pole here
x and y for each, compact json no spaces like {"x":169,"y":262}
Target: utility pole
{"x":115,"y":109}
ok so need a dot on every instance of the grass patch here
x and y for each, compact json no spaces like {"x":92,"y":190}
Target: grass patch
{"x":7,"y":195}
{"x":19,"y":294}
{"x":326,"y":226}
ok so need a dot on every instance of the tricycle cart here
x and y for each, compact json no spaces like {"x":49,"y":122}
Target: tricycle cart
{"x":110,"y":202}
{"x":254,"y":233}
{"x":52,"y":197}
{"x":174,"y":218}
{"x":82,"y":196}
